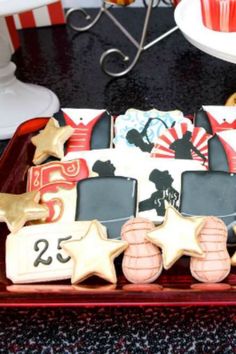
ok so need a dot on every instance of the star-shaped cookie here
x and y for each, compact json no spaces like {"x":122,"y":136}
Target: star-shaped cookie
{"x":177,"y":236}
{"x":50,"y":141}
{"x":93,"y":254}
{"x":17,"y":209}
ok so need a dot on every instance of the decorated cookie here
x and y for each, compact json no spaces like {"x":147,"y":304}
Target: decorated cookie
{"x":233,"y":259}
{"x":183,"y":141}
{"x":215,"y":266}
{"x":56,"y":182}
{"x":94,"y":254}
{"x":218,"y":158}
{"x":34,"y":253}
{"x":17,"y":209}
{"x":140,"y":129}
{"x":92,"y":128}
{"x":216,"y":118}
{"x":231,"y":101}
{"x":159,"y":180}
{"x":177,"y":236}
{"x":222,"y":150}
{"x":111,"y":200}
{"x":142,"y":261}
{"x":210,"y":194}
{"x":50,"y":141}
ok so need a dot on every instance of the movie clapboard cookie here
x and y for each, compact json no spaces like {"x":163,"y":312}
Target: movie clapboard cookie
{"x":216,"y":118}
{"x":183,"y":141}
{"x":159,"y":180}
{"x":111,"y":200}
{"x":92,"y":128}
{"x":210,"y":194}
{"x":56,"y":182}
{"x":140,"y":129}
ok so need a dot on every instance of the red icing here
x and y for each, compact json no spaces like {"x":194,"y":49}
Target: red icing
{"x":81,"y":138}
{"x":219,"y":127}
{"x":68,"y":173}
{"x":231,"y":155}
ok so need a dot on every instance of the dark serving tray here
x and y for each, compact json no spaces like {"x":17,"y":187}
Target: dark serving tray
{"x":175,"y":287}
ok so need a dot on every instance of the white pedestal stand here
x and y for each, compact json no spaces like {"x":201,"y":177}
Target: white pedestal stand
{"x":20,"y":101}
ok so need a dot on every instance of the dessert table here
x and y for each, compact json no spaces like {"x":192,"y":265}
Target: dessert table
{"x":173,"y":75}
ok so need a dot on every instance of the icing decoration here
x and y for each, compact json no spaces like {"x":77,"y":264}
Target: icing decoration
{"x":183,"y":141}
{"x":93,"y":254}
{"x":56,"y":182}
{"x":231,"y":101}
{"x":218,"y":160}
{"x":50,"y":141}
{"x":177,"y":236}
{"x":34,"y":253}
{"x":92,"y":129}
{"x":210,"y":194}
{"x":216,"y":118}
{"x":111,"y":200}
{"x":159,"y":180}
{"x":142,"y":261}
{"x":140,"y":129}
{"x":215,"y":265}
{"x":17,"y":209}
{"x":228,"y":140}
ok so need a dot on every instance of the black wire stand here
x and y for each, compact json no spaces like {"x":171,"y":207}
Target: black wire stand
{"x":140,"y":46}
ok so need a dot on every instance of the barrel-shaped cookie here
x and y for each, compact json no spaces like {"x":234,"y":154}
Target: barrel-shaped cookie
{"x":215,"y":266}
{"x":142,"y":262}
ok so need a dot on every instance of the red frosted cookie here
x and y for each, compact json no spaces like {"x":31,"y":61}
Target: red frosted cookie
{"x":56,"y":182}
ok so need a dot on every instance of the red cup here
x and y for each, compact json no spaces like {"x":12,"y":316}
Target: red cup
{"x":219,"y":15}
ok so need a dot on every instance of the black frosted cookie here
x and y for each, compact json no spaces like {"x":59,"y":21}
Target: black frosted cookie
{"x":111,"y":200}
{"x":210,"y":194}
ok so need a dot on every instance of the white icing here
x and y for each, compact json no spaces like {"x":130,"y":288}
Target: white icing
{"x":222,"y":112}
{"x":229,"y":136}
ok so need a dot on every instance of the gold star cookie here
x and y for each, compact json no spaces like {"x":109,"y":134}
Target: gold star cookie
{"x":17,"y":209}
{"x":177,"y":236}
{"x":50,"y":141}
{"x":93,"y":254}
{"x":233,"y":259}
{"x":231,"y":101}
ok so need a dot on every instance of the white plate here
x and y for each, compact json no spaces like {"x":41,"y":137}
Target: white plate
{"x":218,"y":44}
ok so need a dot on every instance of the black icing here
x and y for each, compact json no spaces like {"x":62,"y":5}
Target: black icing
{"x":107,"y":198}
{"x":183,"y":147}
{"x":101,"y":135}
{"x":218,"y":160}
{"x":164,"y":192}
{"x":201,"y":120}
{"x":210,"y":193}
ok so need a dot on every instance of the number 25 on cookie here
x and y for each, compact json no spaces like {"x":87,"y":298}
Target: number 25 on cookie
{"x":41,"y":246}
{"x":34,"y":253}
